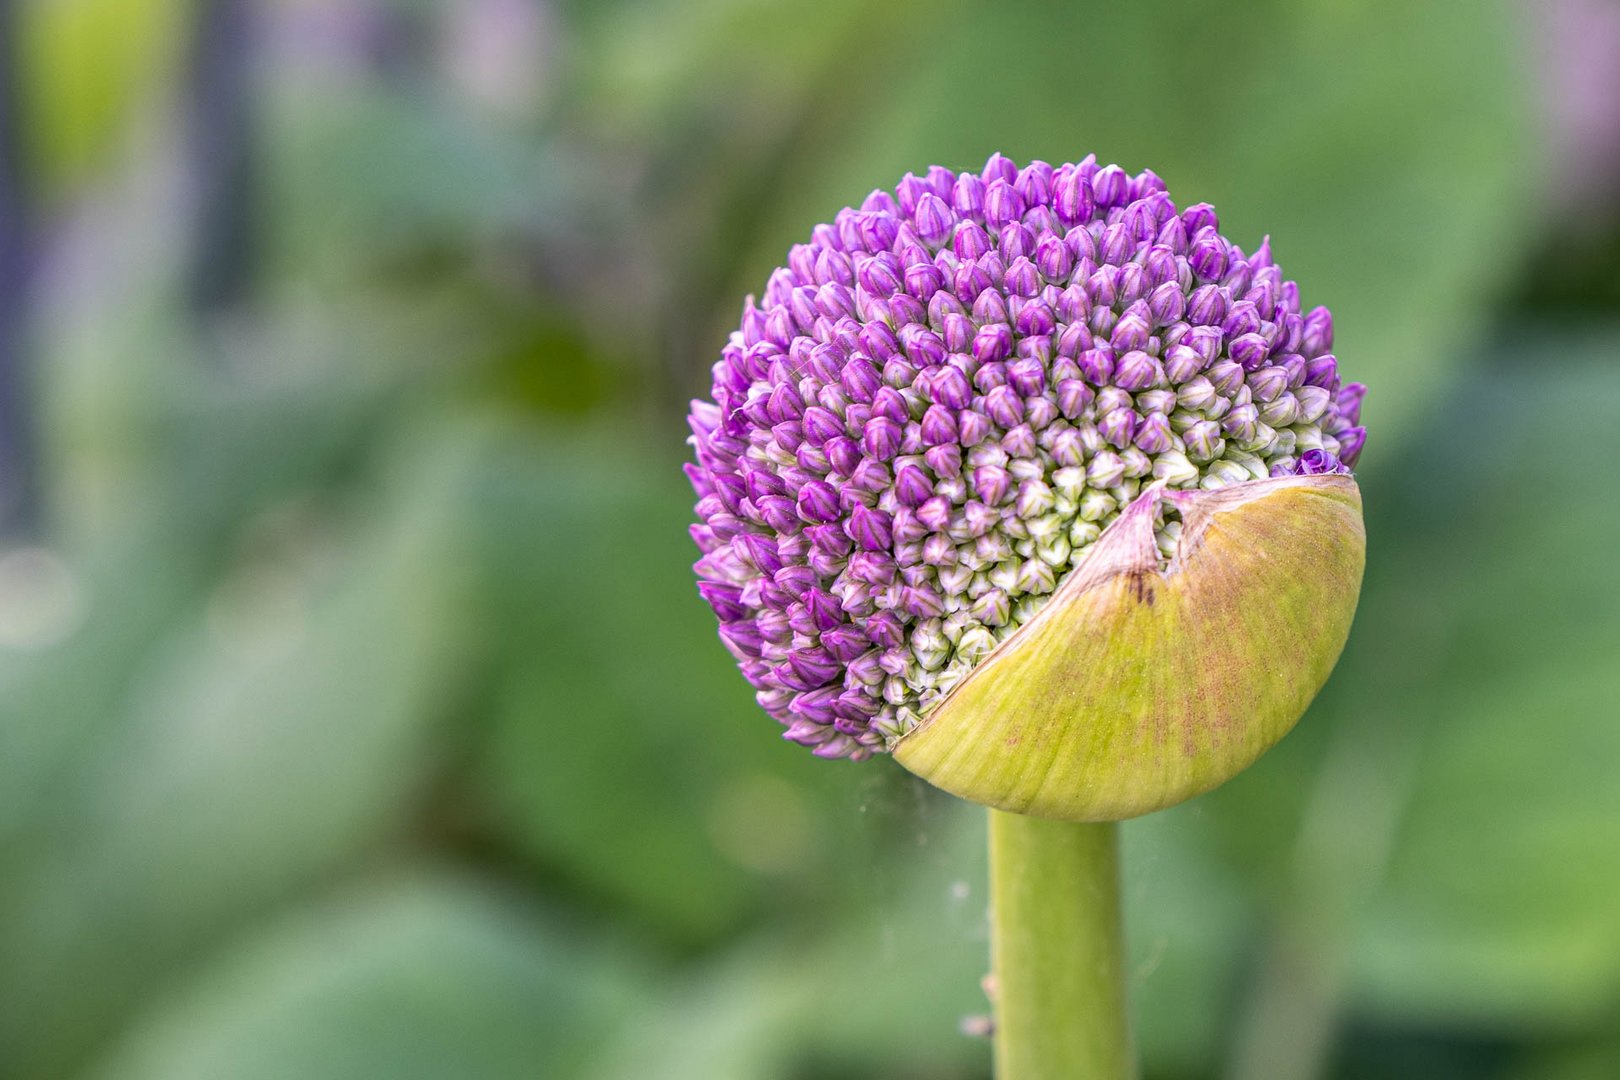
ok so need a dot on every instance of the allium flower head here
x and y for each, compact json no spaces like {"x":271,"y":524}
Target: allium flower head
{"x":945,"y":397}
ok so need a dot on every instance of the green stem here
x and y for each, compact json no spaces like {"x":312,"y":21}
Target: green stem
{"x":1057,"y":950}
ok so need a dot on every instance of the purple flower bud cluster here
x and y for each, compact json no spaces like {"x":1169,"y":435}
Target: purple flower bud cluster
{"x":948,"y":393}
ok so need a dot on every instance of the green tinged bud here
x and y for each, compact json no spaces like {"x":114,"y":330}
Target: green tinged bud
{"x":1147,"y":679}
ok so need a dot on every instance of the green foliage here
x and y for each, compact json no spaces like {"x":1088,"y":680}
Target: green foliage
{"x":622,"y":748}
{"x":1512,"y":717}
{"x":430,"y":975}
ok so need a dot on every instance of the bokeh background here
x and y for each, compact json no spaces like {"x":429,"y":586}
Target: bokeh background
{"x":358,"y":715}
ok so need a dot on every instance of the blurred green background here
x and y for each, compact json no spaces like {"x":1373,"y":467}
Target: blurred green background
{"x":358,"y":715}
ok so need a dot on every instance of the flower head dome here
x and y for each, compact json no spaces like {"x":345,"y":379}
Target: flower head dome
{"x":947,"y":395}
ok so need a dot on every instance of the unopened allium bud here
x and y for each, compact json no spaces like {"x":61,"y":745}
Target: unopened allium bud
{"x":989,"y":404}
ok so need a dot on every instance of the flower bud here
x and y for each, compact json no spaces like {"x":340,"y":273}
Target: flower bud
{"x":924,"y":440}
{"x":1145,"y":681}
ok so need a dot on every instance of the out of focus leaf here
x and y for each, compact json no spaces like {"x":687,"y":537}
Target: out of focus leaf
{"x":676,"y":58}
{"x":146,"y":552}
{"x":1499,"y":902}
{"x":1595,"y":1062}
{"x":367,"y":178}
{"x":626,"y":751}
{"x":1188,"y":920}
{"x":868,"y":992}
{"x":431,"y":976}
{"x":262,"y":742}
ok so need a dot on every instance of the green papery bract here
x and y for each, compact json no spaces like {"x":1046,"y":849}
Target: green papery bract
{"x":1146,"y":679}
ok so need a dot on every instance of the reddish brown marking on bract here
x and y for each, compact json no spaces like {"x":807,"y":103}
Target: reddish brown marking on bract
{"x":1141,"y":587}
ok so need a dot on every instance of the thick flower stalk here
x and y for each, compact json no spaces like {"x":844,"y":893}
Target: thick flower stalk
{"x":946,"y":397}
